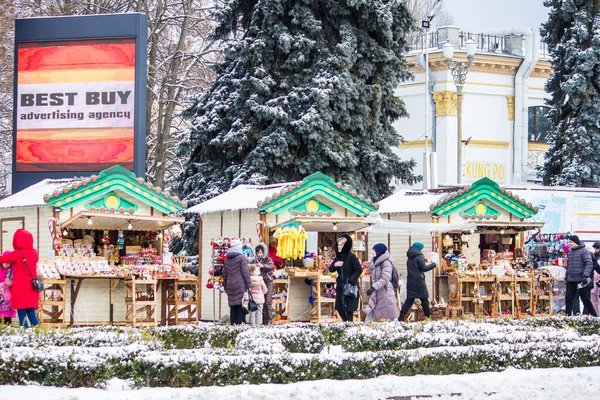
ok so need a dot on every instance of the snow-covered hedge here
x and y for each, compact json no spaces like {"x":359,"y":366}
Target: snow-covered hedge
{"x":218,"y":355}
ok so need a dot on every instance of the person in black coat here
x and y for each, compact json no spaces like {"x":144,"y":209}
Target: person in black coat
{"x":416,"y":288}
{"x":579,"y":276}
{"x":348,"y":268}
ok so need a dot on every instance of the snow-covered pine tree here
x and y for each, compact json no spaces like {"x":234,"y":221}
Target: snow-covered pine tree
{"x":304,"y":86}
{"x":572,"y":33}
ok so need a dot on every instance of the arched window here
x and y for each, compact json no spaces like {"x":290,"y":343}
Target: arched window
{"x":539,"y":124}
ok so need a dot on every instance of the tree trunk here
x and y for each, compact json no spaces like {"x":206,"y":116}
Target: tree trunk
{"x":164,"y":132}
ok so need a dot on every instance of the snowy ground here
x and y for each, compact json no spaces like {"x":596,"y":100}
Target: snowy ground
{"x":512,"y":384}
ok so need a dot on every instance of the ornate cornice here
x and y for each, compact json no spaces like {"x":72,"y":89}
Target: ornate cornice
{"x":489,"y":63}
{"x":446,"y":103}
{"x":542,"y":69}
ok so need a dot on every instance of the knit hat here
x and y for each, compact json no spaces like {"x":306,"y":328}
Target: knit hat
{"x":596,"y":245}
{"x":575,"y":239}
{"x":380,"y":248}
{"x":236,"y":247}
{"x":418,"y":245}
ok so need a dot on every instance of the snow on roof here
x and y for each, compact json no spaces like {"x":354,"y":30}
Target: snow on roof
{"x":33,"y":195}
{"x":409,"y":201}
{"x":242,"y":197}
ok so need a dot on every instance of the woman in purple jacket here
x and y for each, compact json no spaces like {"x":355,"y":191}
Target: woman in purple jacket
{"x":236,"y":279}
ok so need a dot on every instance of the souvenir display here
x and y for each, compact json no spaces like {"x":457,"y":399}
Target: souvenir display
{"x":507,"y":280}
{"x":220,"y":245}
{"x":291,"y":241}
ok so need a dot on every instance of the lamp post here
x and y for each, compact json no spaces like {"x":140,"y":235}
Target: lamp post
{"x":459,"y":73}
{"x":427,"y":173}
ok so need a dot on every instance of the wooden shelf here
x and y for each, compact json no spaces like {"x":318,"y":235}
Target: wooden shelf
{"x":52,"y":313}
{"x":180,"y":311}
{"x":280,"y":306}
{"x":140,"y":312}
{"x":326,"y":300}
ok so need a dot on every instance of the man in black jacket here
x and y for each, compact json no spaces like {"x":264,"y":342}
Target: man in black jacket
{"x":416,"y":288}
{"x":579,"y":269}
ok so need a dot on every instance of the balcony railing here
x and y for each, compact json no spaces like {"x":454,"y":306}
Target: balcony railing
{"x":485,"y":43}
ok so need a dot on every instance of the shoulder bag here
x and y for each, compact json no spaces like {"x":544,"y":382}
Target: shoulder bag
{"x":350,"y":290}
{"x":252,"y":306}
{"x":38,"y":284}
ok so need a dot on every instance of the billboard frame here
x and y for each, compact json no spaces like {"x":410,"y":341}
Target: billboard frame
{"x":69,"y":28}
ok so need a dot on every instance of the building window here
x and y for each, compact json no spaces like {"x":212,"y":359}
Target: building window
{"x":539,"y":124}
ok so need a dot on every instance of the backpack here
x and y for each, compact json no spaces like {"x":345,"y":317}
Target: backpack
{"x":395,"y":277}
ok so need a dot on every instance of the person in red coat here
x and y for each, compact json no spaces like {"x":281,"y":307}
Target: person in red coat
{"x":277,"y":261}
{"x":24,"y":298}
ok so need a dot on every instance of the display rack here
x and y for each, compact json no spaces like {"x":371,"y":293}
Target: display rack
{"x":523,"y":296}
{"x":504,"y":296}
{"x":323,"y":308}
{"x":182,"y":302}
{"x":52,"y":306}
{"x":216,"y":278}
{"x":542,"y":305}
{"x":549,"y":296}
{"x":505,"y":299}
{"x":281,"y":300}
{"x":140,"y":302}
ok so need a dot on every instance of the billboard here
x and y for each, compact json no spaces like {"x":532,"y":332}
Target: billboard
{"x":80,"y":89}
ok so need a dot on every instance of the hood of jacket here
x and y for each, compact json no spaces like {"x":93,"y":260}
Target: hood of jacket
{"x":381,"y":258}
{"x":22,"y":240}
{"x":413,"y":252}
{"x":347,"y":246}
{"x":263,"y":247}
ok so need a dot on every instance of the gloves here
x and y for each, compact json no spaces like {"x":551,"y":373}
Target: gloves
{"x":584,"y":283}
{"x":370,"y":291}
{"x":353,"y":282}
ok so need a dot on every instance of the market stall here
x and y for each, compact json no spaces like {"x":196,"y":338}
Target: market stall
{"x":488,"y":270}
{"x":103,"y":244}
{"x":306,"y":218}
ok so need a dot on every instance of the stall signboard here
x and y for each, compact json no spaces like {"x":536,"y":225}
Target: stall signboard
{"x":79,"y":102}
{"x":474,"y":170}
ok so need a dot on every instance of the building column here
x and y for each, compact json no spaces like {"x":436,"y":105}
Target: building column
{"x":511,"y":117}
{"x":446,"y":112}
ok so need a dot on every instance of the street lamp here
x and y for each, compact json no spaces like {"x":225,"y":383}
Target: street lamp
{"x":459,"y":73}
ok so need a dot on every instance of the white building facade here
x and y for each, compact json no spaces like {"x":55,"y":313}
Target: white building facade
{"x":504,"y":124}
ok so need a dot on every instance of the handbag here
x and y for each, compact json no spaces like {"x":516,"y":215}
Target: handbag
{"x":38,"y":284}
{"x":350,"y":290}
{"x":252,"y":306}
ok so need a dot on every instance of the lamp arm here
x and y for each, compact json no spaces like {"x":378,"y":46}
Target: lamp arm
{"x":459,"y":71}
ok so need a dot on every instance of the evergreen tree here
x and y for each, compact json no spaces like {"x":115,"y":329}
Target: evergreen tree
{"x":572,"y":33}
{"x":304,"y":86}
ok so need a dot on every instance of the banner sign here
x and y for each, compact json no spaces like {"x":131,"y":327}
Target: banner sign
{"x":75,"y":105}
{"x":80,"y":96}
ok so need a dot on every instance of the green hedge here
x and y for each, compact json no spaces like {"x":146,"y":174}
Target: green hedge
{"x":188,"y":356}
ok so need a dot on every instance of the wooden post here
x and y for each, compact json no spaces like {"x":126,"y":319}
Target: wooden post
{"x":112,"y":302}
{"x":74,"y":294}
{"x":200,"y":272}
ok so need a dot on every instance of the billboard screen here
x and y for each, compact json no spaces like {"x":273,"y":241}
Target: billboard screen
{"x":80,"y":89}
{"x":75,"y":105}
